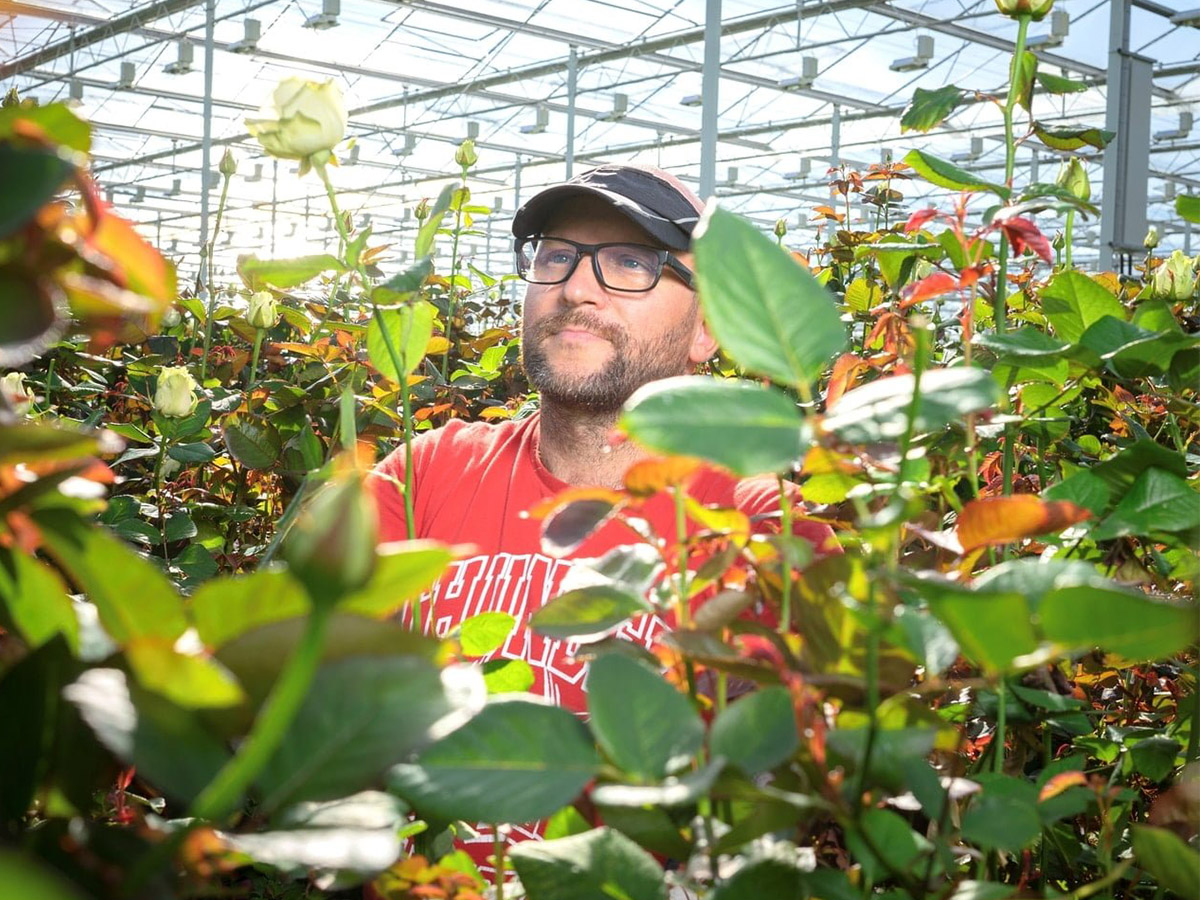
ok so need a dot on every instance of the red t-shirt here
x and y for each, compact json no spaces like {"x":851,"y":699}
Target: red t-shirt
{"x":471,"y":485}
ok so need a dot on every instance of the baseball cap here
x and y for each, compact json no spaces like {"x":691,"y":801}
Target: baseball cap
{"x":649,"y":197}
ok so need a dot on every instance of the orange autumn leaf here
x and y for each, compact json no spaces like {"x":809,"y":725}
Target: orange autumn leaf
{"x":140,"y":266}
{"x":1001,"y":520}
{"x":653,"y":475}
{"x":927,"y":288}
{"x":845,"y":373}
{"x":1059,"y":783}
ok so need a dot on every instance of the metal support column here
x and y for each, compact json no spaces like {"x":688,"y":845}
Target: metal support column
{"x":835,"y":136}
{"x":572,"y":86}
{"x":274,"y":201}
{"x":710,"y":81}
{"x":1127,"y":157}
{"x":210,"y":14}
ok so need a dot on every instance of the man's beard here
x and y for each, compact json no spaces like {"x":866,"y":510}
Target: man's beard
{"x":632,"y":363}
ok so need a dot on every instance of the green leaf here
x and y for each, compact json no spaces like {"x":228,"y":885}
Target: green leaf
{"x":223,"y":609}
{"x":32,"y":320}
{"x":1004,"y":816}
{"x":284,"y":273}
{"x":686,"y":790}
{"x":1073,"y":138}
{"x":898,"y":845}
{"x":862,"y":296}
{"x":409,"y":280}
{"x":485,"y":632}
{"x":193,"y":682}
{"x":34,"y":601}
{"x":647,"y":739}
{"x":403,"y":570}
{"x":191,"y":453}
{"x":947,"y":175}
{"x":516,"y":761}
{"x":1130,"y":624}
{"x":169,"y":745}
{"x":929,"y":109}
{"x":362,"y":715}
{"x":1056,"y":84}
{"x":1084,"y":489}
{"x":1184,"y":372}
{"x":29,"y":442}
{"x":991,"y":627}
{"x":756,"y":732}
{"x":1022,"y":347}
{"x":409,"y":328}
{"x":597,"y":865}
{"x":134,"y":598}
{"x":32,"y":176}
{"x":352,"y":838}
{"x":507,"y":676}
{"x":1167,"y":857}
{"x":878,"y":411}
{"x":177,"y":429}
{"x":766,"y":311}
{"x":587,"y":614}
{"x":56,"y":121}
{"x":24,"y":876}
{"x":697,"y":416}
{"x":1026,"y":69}
{"x":1154,"y":756}
{"x":1159,"y":502}
{"x":1188,"y":207}
{"x":1072,"y":302}
{"x":251,"y":440}
{"x":778,"y":877}
{"x":429,"y":228}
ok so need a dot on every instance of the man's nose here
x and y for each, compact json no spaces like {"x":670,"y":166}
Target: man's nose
{"x":583,"y":286}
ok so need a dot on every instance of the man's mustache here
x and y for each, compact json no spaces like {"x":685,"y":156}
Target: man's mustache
{"x":572,"y":319}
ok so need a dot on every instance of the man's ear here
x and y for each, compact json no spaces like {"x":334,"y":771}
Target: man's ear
{"x":704,"y":345}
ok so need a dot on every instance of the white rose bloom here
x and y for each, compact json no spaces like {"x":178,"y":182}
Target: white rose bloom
{"x":264,"y":310}
{"x":175,"y":395}
{"x":305,"y":117}
{"x":12,"y":385}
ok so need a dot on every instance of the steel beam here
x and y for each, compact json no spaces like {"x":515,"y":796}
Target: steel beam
{"x":709,"y":98}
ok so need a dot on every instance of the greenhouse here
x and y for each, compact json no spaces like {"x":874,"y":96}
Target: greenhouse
{"x":644,"y":449}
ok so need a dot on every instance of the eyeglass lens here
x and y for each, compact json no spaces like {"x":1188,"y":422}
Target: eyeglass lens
{"x":623,"y":267}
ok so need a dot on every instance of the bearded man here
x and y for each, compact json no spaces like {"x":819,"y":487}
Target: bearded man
{"x":609,"y":307}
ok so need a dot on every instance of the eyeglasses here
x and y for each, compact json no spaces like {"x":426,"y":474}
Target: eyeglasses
{"x":618,"y":267}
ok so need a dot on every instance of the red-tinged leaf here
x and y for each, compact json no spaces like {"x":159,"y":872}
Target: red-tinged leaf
{"x":1060,"y":782}
{"x":1023,"y":234}
{"x":972,"y":274}
{"x":934,"y":285}
{"x":570,"y":525}
{"x":918,"y":219}
{"x":829,"y":212}
{"x":1001,"y":520}
{"x":653,"y":475}
{"x":845,"y":373}
{"x":139,"y":265}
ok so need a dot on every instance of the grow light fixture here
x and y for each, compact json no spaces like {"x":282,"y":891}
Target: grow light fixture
{"x":352,"y":157}
{"x":1168,"y":191}
{"x":620,"y":106}
{"x":175,"y":187}
{"x":920,"y":61}
{"x":257,"y":176}
{"x":410,"y":141}
{"x":808,"y":74}
{"x":1188,"y":17}
{"x":139,"y":195}
{"x":497,"y":204}
{"x":327,"y":17}
{"x":472,"y":130}
{"x":249,"y":42}
{"x":1060,"y":27}
{"x":971,"y":155}
{"x":539,"y":123}
{"x":1172,"y":134}
{"x":692,"y":100}
{"x":128,"y":74}
{"x":731,"y":177}
{"x":74,"y":92}
{"x":800,"y":173}
{"x":183,"y":63}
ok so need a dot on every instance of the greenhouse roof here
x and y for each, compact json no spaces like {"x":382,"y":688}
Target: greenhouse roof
{"x":803,"y":85}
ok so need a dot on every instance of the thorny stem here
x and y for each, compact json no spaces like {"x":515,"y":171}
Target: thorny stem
{"x":212,"y":296}
{"x":158,"y":494}
{"x":1001,"y":723}
{"x":250,"y":377}
{"x":1001,"y":299}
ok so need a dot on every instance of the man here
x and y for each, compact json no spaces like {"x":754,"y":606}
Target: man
{"x":610,"y":306}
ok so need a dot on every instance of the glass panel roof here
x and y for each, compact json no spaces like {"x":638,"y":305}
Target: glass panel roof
{"x":419,"y":76}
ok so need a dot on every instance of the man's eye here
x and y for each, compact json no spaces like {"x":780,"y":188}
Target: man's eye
{"x":634,"y":262}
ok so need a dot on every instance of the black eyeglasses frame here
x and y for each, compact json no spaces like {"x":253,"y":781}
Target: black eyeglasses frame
{"x":666,"y":259}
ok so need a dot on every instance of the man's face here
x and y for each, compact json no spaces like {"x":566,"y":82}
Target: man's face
{"x":586,"y":347}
